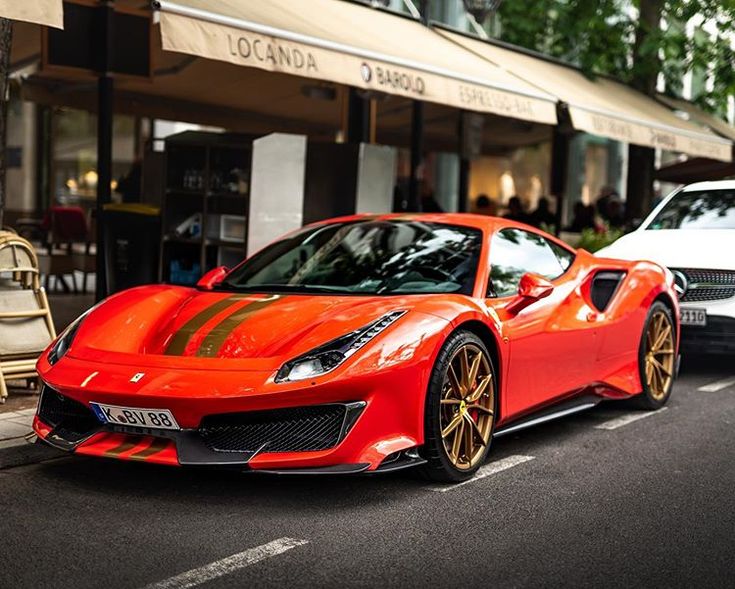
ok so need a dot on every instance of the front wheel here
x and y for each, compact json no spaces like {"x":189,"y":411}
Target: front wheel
{"x":657,"y":358}
{"x":460,"y":409}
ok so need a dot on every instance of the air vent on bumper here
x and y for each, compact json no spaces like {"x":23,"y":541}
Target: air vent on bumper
{"x":297,"y":429}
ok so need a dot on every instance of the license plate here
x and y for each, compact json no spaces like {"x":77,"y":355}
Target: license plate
{"x":697,"y":317}
{"x":135,"y":416}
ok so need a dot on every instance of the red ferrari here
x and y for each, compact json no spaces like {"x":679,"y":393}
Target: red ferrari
{"x":365,"y":343}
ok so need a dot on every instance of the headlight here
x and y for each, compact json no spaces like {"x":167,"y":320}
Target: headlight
{"x":330,"y":355}
{"x":63,"y":342}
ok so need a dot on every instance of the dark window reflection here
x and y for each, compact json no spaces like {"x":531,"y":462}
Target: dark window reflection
{"x":697,"y":210}
{"x":514,"y":252}
{"x":370,"y":257}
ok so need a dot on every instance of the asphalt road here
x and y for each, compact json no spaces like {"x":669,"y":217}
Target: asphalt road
{"x":597,"y":499}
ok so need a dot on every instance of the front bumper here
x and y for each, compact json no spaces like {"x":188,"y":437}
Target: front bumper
{"x":383,"y":415}
{"x":717,"y":337}
{"x":221,"y":440}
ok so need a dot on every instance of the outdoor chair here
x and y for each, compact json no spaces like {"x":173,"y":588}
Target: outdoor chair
{"x":26,"y":326}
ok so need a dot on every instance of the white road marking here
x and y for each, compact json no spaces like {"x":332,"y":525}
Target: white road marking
{"x":228,"y":565}
{"x":718,"y":385}
{"x":487,"y":470}
{"x":626,"y":419}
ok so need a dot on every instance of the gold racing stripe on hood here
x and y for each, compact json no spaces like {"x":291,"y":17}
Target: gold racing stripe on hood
{"x":216,"y":338}
{"x":181,"y":338}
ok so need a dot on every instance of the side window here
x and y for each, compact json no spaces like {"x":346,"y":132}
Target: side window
{"x":565,"y":257}
{"x":513,"y":252}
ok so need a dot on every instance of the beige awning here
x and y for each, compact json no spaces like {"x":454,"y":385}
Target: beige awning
{"x":603,"y":106}
{"x":42,"y":12}
{"x":345,"y":43}
{"x":700,"y":117}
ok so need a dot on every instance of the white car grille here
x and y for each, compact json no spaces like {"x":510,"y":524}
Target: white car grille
{"x":705,"y":285}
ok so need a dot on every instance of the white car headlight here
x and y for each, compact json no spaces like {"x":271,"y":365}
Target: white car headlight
{"x":330,"y":355}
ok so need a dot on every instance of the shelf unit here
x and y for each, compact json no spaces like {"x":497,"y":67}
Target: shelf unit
{"x":207,"y":174}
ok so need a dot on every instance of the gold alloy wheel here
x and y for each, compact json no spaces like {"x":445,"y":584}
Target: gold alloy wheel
{"x":467,"y":406}
{"x":659,"y":355}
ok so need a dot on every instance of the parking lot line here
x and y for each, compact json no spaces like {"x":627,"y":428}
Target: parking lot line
{"x":718,"y":385}
{"x":228,"y":565}
{"x":487,"y":470}
{"x":626,"y":419}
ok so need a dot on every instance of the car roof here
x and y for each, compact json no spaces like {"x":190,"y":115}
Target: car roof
{"x":486,"y":223}
{"x":712,"y":185}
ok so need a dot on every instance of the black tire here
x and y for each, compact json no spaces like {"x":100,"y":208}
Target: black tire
{"x":439,"y":467}
{"x":649,"y":399}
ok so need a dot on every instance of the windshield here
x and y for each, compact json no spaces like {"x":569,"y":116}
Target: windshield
{"x":706,"y":209}
{"x":366,"y":257}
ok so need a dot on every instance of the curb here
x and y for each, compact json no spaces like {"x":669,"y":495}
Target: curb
{"x":21,"y":452}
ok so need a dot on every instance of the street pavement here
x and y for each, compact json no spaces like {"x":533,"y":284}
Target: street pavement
{"x":609,"y":497}
{"x":16,"y":436}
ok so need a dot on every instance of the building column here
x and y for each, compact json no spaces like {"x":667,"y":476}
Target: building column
{"x":105,"y":97}
{"x":560,"y":147}
{"x":44,"y":156}
{"x":358,"y":124}
{"x":417,"y":156}
{"x":446,"y":173}
{"x":615,"y":166}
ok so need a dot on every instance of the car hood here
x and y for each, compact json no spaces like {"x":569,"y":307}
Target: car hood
{"x":181,"y":327}
{"x":677,"y":248}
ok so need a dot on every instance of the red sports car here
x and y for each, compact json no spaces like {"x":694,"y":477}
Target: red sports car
{"x":365,"y":343}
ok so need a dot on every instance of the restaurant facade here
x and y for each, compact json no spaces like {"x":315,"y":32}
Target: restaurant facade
{"x":458,"y":116}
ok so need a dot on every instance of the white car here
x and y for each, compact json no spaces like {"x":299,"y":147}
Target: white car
{"x":692,"y":232}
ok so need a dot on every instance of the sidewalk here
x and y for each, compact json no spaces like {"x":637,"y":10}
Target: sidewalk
{"x":16,"y":440}
{"x":17,"y":445}
{"x":15,"y":424}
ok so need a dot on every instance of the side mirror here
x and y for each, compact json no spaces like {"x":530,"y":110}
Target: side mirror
{"x":212,"y":278}
{"x":532,"y":288}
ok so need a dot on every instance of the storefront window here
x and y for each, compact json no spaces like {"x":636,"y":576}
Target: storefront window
{"x":595,"y":171}
{"x":74,"y":162}
{"x":523,"y":172}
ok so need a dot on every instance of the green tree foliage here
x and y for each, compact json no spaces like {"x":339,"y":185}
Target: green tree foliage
{"x":609,"y":37}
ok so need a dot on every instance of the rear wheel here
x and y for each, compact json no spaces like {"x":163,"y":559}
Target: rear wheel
{"x":460,"y":409}
{"x":656,"y":358}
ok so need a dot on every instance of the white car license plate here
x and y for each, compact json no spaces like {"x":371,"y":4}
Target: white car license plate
{"x":697,"y":317}
{"x":134,"y":416}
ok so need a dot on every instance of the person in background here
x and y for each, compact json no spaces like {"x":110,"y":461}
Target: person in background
{"x":615,"y":213}
{"x":400,"y":197}
{"x":607,"y":193}
{"x":543,"y":215}
{"x":484,"y":205}
{"x":428,"y":202}
{"x":515,"y":211}
{"x":584,"y":218}
{"x":130,"y":186}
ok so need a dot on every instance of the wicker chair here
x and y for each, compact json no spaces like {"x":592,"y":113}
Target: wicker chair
{"x":26,"y":326}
